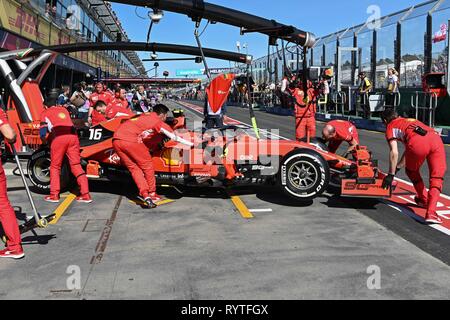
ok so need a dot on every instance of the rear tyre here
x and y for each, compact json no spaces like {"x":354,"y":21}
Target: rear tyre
{"x":39,"y":171}
{"x":304,"y":174}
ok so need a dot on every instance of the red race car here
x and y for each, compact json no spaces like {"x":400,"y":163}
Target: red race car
{"x":231,"y":156}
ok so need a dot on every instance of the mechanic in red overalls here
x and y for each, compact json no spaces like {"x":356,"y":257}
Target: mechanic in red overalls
{"x":128,"y":143}
{"x":99,"y":94}
{"x":305,"y":121}
{"x":7,"y":215}
{"x":97,"y":115}
{"x":337,"y":131}
{"x":421,"y":142}
{"x":63,"y":139}
{"x":119,"y":100}
{"x":108,"y":112}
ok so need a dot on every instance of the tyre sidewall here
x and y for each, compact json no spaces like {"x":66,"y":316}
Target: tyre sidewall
{"x":44,"y":186}
{"x":317,"y":142}
{"x":321,"y":167}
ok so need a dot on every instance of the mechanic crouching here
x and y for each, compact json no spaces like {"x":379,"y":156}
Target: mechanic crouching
{"x":134,"y":154}
{"x":421,"y":142}
{"x":7,"y":215}
{"x":337,"y":131}
{"x":108,"y":112}
{"x":63,"y":139}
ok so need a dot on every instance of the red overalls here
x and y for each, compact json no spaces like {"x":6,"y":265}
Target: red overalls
{"x":106,"y":97}
{"x":133,"y":152}
{"x":7,"y":214}
{"x":345,"y":131}
{"x":418,"y":148}
{"x":97,"y":117}
{"x":119,"y":103}
{"x":116,"y":110}
{"x":63,"y":142}
{"x":305,"y":122}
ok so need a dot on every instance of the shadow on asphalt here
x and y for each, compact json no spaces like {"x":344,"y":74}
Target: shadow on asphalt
{"x":278,"y":198}
{"x":265,"y":194}
{"x":37,"y":239}
{"x":12,"y":189}
{"x":130,"y":190}
{"x":336,"y":201}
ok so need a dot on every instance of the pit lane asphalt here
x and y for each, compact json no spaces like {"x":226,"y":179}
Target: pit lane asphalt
{"x":199,"y":247}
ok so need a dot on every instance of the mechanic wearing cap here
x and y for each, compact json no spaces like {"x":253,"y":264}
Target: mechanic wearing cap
{"x":337,"y":131}
{"x":129,"y":145}
{"x":99,"y":94}
{"x":365,"y":86}
{"x":421,"y":142}
{"x":63,"y":139}
{"x":305,"y":111}
{"x":7,"y":215}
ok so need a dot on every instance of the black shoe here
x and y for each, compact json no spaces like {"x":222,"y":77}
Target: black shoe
{"x":149,"y":203}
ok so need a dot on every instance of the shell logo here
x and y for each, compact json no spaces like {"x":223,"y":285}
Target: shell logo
{"x":171,"y":158}
{"x":62,"y":115}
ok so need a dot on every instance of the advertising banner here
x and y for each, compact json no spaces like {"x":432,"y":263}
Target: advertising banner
{"x":189,"y":72}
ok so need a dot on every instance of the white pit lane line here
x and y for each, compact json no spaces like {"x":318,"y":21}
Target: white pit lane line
{"x":419,"y":219}
{"x":260,"y":210}
{"x":400,"y":209}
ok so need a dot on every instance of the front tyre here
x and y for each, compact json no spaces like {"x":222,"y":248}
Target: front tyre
{"x":39,"y":171}
{"x":304,"y":174}
{"x":317,"y":142}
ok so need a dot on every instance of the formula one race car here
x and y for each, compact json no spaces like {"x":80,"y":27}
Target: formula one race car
{"x":231,"y":156}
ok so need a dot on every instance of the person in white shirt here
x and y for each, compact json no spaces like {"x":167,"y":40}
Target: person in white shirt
{"x":392,"y":88}
{"x":284,"y":92}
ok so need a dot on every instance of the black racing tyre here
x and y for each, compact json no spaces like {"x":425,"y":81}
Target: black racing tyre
{"x":39,"y":171}
{"x":304,"y":174}
{"x":318,"y":142}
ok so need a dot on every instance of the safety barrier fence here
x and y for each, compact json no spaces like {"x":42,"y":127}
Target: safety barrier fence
{"x":426,"y":101}
{"x":374,"y":124}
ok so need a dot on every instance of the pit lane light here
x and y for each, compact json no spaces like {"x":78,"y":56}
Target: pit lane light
{"x":156,"y":15}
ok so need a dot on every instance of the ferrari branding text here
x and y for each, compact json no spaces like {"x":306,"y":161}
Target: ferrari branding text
{"x":351,"y":185}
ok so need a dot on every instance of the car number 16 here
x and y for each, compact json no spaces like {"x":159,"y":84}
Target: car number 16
{"x":95,"y":134}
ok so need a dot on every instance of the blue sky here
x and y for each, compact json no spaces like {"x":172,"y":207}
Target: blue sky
{"x":319,"y":17}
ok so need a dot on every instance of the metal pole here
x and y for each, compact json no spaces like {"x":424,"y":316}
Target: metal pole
{"x":36,"y":215}
{"x":197,"y":38}
{"x":338,"y":73}
{"x":430,"y":110}
{"x":417,"y":105}
{"x":203,"y":10}
{"x":448,"y":59}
